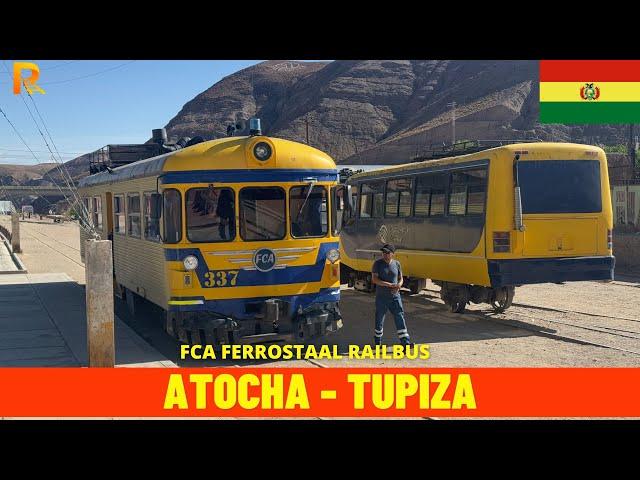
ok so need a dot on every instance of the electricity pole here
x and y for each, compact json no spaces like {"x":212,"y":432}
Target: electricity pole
{"x":306,"y":118}
{"x":632,"y":147}
{"x":453,"y":121}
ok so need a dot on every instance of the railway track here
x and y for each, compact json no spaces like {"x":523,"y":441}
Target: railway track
{"x":611,"y":332}
{"x":57,"y":241}
{"x":31,"y":234}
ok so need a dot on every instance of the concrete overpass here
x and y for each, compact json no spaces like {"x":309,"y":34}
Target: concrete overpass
{"x":7,"y":191}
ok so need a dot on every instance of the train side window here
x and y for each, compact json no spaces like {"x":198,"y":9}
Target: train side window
{"x":458,"y":194}
{"x":339,"y":209}
{"x":398,"y":203}
{"x":366,"y":200}
{"x":378,"y":200}
{"x":211,"y":214}
{"x":87,"y":202}
{"x":477,"y":191}
{"x":438,"y":194}
{"x":133,"y":215}
{"x":151,"y":219}
{"x":423,"y":196}
{"x":118,"y":214}
{"x":97,"y":212}
{"x":172,"y":216}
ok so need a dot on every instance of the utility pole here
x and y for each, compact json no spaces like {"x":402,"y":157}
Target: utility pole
{"x":306,"y":118}
{"x":632,"y":147}
{"x":453,"y":121}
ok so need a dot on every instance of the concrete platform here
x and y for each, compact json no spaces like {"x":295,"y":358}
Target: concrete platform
{"x":43,"y":324}
{"x":7,"y":265}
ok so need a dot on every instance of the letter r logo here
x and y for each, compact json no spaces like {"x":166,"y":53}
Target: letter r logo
{"x":29,"y":82}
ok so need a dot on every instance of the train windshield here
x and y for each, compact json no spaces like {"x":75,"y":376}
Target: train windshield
{"x":308,"y":207}
{"x":560,"y":186}
{"x":262,"y":213}
{"x":210,"y":214}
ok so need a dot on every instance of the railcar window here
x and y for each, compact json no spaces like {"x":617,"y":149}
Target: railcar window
{"x":378,"y":200}
{"x":437,"y":202}
{"x":560,"y":186}
{"x":151,"y":225}
{"x":133,"y":215}
{"x":97,"y":212}
{"x":458,"y":200}
{"x":431,"y":194}
{"x":476,"y":192}
{"x":398,"y":202}
{"x":423,"y":196}
{"x":338,"y":208}
{"x":211,"y":215}
{"x":172,"y":216}
{"x":118,"y":214}
{"x":366,"y":200}
{"x":308,"y":211}
{"x":262,"y":213}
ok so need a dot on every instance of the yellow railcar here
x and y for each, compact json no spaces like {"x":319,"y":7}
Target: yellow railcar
{"x":232,"y":238}
{"x":483,"y":223}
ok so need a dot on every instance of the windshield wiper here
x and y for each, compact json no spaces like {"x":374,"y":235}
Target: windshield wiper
{"x":311,"y":185}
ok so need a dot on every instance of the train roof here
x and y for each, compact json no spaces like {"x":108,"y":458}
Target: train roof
{"x":231,"y":153}
{"x":522,"y":148}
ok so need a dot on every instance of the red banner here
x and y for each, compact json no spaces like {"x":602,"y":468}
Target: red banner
{"x":310,"y":392}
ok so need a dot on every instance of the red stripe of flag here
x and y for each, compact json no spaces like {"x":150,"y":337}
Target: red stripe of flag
{"x":590,"y":70}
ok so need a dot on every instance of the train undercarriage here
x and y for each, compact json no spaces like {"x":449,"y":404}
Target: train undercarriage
{"x":266,"y":321}
{"x":455,"y":295}
{"x":271,"y":325}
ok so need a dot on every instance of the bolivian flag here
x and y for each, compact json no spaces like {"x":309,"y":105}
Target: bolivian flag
{"x":590,"y":91}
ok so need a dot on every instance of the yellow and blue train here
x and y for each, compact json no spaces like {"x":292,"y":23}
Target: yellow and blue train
{"x":233,"y":238}
{"x":483,"y":223}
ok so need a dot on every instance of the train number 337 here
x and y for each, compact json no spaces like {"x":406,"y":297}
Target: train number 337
{"x":221,"y":278}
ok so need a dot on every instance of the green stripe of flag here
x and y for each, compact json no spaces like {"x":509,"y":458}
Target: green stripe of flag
{"x":590,"y":112}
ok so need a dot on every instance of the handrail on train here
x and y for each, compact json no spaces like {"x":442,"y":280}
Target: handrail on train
{"x":464,"y":147}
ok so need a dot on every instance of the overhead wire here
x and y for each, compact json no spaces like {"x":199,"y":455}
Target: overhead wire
{"x":60,"y":164}
{"x":85,"y":216}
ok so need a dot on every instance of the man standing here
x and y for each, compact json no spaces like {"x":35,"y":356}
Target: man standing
{"x":387,"y":276}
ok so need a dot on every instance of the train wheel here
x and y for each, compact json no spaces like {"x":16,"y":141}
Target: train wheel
{"x":458,"y":306}
{"x":417,"y":285}
{"x":502,"y":298}
{"x":456,"y":297}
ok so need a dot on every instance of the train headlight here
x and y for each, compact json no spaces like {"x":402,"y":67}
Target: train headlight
{"x":333,"y":255}
{"x":190,"y":262}
{"x":262,"y":151}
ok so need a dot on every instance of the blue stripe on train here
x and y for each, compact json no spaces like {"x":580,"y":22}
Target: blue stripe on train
{"x":246,"y":176}
{"x":247,"y":278}
{"x":237,"y":307}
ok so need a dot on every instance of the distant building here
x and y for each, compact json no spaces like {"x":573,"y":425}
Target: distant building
{"x":625,"y":200}
{"x":6,"y":207}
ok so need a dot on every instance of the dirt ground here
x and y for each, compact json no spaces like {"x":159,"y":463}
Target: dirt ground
{"x":585,"y":324}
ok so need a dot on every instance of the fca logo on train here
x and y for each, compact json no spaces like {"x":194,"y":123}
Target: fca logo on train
{"x":264,"y":259}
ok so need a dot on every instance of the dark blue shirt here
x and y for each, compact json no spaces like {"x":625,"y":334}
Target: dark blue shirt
{"x":387,"y":272}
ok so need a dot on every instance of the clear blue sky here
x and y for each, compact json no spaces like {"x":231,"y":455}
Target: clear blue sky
{"x":117,"y":102}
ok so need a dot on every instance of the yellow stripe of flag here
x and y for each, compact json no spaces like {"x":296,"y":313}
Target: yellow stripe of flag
{"x":609,"y":91}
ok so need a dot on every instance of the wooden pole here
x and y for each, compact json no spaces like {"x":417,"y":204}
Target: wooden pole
{"x":15,"y":232}
{"x":99,"y":294}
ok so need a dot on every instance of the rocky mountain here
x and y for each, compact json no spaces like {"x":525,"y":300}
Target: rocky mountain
{"x":383,"y":111}
{"x":23,"y":174}
{"x":377,"y":111}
